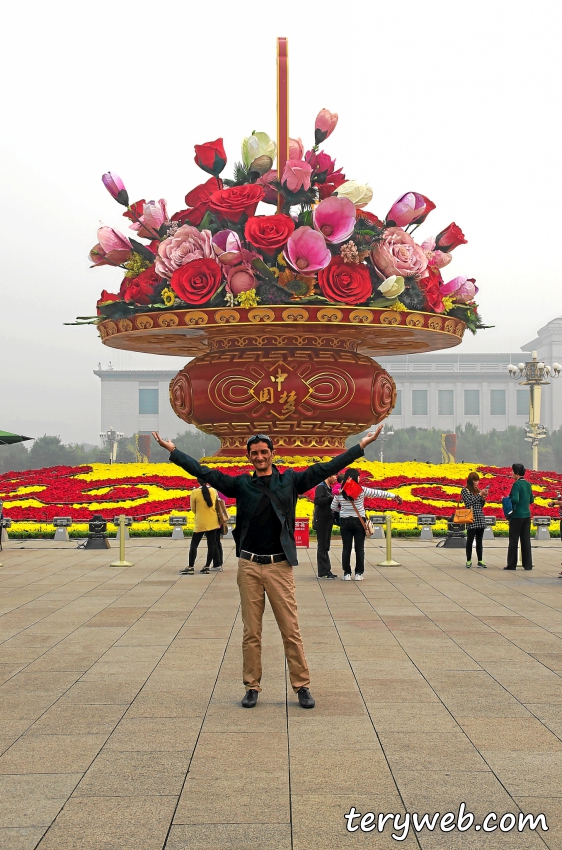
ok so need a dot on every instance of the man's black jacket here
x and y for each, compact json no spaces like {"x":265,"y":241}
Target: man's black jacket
{"x":323,"y":505}
{"x":287,"y":486}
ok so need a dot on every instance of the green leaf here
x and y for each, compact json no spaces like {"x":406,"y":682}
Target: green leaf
{"x":382,"y":302}
{"x":263,"y":270}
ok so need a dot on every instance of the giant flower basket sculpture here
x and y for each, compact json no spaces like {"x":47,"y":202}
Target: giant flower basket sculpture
{"x":283,"y":312}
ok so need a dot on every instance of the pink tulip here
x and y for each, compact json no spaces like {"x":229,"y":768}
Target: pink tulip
{"x":411,"y":208}
{"x":306,"y":250}
{"x":296,"y":149}
{"x":113,"y":248}
{"x":266,"y":180}
{"x":239,"y":279}
{"x":227,"y":247}
{"x":462,"y":289}
{"x":335,"y":218}
{"x":296,"y":175}
{"x":116,"y":188}
{"x":324,"y":125}
{"x":153,"y":217}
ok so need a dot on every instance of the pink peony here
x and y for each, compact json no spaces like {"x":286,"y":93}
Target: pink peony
{"x":324,"y":125}
{"x":227,"y":248}
{"x":296,"y":175}
{"x":113,"y":248}
{"x":462,"y":289}
{"x":306,"y":250}
{"x":335,"y":218}
{"x":265,"y":182}
{"x":296,"y":149}
{"x":397,"y":253}
{"x":185,"y":245}
{"x":239,"y":279}
{"x":411,"y":208}
{"x":153,"y":217}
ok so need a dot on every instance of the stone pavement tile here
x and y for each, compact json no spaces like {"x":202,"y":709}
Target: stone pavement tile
{"x":109,"y":691}
{"x":20,"y":838}
{"x":38,"y":683}
{"x":550,"y":807}
{"x":552,"y":660}
{"x":132,"y":774}
{"x":427,"y":659}
{"x":266,"y":716}
{"x":33,"y":800}
{"x":411,"y":717}
{"x":550,"y":715}
{"x":233,"y":802}
{"x":117,"y":616}
{"x":397,"y":690}
{"x":383,"y":668}
{"x":176,"y":703}
{"x":335,"y":772}
{"x":227,"y":836}
{"x":111,"y":823}
{"x":330,"y":703}
{"x":318,"y":820}
{"x":221,"y":756}
{"x":527,"y":774}
{"x":20,"y":711}
{"x":433,"y":750}
{"x":473,"y":840}
{"x":65,"y":718}
{"x":8,"y":670}
{"x":525,"y":733}
{"x":149,"y":734}
{"x":51,"y":753}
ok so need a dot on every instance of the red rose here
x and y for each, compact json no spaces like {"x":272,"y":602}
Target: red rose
{"x":107,"y":298}
{"x":199,"y":200}
{"x":450,"y":238}
{"x":346,"y":282}
{"x":211,"y":157}
{"x":430,"y":286}
{"x":141,"y":288}
{"x":237,"y":201}
{"x":333,"y":181}
{"x":269,"y":232}
{"x":197,"y":281}
{"x":371,"y":217}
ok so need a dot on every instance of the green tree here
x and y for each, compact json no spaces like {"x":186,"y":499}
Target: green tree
{"x":13,"y":457}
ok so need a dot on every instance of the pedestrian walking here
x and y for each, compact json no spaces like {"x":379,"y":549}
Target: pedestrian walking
{"x":322,"y":523}
{"x":522,"y":498}
{"x":265,"y":545}
{"x":203,"y":506}
{"x":474,"y":498}
{"x":557,"y":503}
{"x":352,"y":522}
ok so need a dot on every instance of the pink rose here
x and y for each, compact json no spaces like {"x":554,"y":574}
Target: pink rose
{"x":296,"y":175}
{"x":185,"y":245}
{"x":265,"y":181}
{"x":397,"y":253}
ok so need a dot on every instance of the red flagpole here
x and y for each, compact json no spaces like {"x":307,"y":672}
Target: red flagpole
{"x":282,"y":110}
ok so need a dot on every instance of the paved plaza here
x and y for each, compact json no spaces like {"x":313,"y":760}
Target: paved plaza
{"x":121,"y":725}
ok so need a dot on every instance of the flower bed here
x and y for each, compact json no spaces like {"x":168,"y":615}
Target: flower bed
{"x":151,"y":493}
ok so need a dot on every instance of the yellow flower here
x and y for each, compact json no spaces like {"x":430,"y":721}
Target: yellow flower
{"x":247,"y":299}
{"x":398,"y":306}
{"x":281,"y":259}
{"x":168,"y":297}
{"x":448,"y":303}
{"x":135,"y":265}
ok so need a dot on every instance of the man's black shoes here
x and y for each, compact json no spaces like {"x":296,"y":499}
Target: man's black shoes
{"x":330,"y":575}
{"x":305,"y":700}
{"x":251,"y":698}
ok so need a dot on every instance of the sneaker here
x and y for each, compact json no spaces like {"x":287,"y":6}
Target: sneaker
{"x":189,"y":571}
{"x":358,"y":576}
{"x":481,"y":566}
{"x":346,"y":577}
{"x":217,"y":569}
{"x":205,"y":570}
{"x":509,"y":568}
{"x":333,"y":575}
{"x":329,"y":576}
{"x":251,"y":698}
{"x":305,"y":700}
{"x":468,"y":564}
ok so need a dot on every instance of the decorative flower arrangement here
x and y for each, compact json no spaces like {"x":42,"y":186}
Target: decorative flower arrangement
{"x":156,"y":491}
{"x":319,"y":246}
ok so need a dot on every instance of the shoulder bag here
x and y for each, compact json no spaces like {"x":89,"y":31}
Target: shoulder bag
{"x":222,"y":515}
{"x":463,"y":516}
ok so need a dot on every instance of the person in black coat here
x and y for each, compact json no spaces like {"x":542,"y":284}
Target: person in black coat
{"x":322,"y":523}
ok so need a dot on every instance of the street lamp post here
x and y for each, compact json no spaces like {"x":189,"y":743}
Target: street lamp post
{"x":383,"y":437}
{"x":110,"y":438}
{"x":534,"y":372}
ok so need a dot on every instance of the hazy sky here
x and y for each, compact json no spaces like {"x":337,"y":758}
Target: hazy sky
{"x":460,"y":102}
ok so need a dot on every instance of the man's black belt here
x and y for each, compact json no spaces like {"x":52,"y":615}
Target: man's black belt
{"x":262,"y":559}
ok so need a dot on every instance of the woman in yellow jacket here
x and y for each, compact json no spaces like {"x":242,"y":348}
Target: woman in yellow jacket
{"x":203,"y":502}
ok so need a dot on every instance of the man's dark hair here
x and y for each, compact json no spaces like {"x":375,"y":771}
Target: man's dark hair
{"x":518,"y":469}
{"x":259,"y":438}
{"x":339,"y":477}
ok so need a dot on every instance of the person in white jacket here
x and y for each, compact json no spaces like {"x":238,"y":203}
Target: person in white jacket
{"x":352,"y":522}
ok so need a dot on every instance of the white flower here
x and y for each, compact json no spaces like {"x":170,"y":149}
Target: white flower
{"x":359,"y":193}
{"x":392,"y":286}
{"x":256,"y":145}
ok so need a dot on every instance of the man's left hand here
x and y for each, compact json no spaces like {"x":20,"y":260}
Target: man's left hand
{"x":370,"y":438}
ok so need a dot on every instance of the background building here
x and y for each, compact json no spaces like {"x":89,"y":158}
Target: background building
{"x":436,"y":390}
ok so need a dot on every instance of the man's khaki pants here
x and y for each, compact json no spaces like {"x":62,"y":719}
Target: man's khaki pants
{"x":254,"y":581}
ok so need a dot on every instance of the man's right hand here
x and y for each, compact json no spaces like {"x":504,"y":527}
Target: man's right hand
{"x":166,"y":444}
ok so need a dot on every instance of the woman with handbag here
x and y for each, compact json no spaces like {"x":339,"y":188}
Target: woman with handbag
{"x":203,"y":505}
{"x":354,"y":525}
{"x":474,"y":500}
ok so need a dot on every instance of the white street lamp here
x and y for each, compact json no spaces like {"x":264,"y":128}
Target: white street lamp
{"x":110,"y":438}
{"x":383,"y":437}
{"x":534,"y":372}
